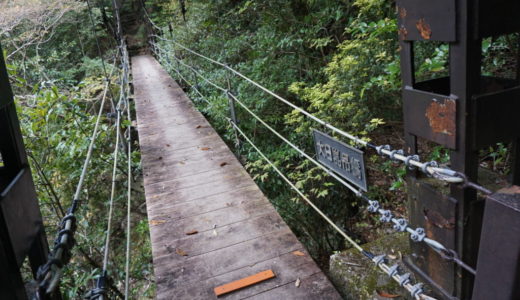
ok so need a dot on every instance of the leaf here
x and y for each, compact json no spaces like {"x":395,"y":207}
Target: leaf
{"x":198,"y":126}
{"x":298,"y":253}
{"x":298,"y":282}
{"x":181,"y":252}
{"x":223,"y":164}
{"x":387,"y":295}
{"x":205,"y":148}
{"x":192,"y":232}
{"x":157,"y":222}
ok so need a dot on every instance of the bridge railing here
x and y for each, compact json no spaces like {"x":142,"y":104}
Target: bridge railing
{"x":170,"y":56}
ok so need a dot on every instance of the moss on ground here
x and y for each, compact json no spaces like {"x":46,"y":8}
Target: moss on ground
{"x":357,"y":278}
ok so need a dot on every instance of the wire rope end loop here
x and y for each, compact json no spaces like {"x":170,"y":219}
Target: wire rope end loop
{"x":418,"y":235}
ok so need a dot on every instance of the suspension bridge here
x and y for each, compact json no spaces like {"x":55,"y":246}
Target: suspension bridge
{"x":214,"y":233}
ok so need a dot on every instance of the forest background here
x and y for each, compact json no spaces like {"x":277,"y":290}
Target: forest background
{"x":337,"y":59}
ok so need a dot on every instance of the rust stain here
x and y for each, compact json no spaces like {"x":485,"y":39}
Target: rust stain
{"x":403,"y":33}
{"x":441,"y":116}
{"x":402,"y":12}
{"x":424,"y":29}
{"x":436,"y":219}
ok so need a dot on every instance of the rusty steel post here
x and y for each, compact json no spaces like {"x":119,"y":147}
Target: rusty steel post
{"x":464,"y":112}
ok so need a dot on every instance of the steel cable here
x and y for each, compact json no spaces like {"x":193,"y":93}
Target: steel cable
{"x":430,"y":168}
{"x":417,"y":234}
{"x":415,"y":291}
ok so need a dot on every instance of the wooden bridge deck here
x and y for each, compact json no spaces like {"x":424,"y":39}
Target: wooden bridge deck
{"x":193,"y":182}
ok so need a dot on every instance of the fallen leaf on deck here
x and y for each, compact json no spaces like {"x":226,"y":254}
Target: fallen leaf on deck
{"x":298,"y":253}
{"x":160,"y":157}
{"x":205,"y":148}
{"x":181,"y":252}
{"x":157,"y":222}
{"x":198,"y":126}
{"x":298,"y":282}
{"x":192,"y":232}
{"x":167,"y":145}
{"x":223,"y":164}
{"x":387,"y":295}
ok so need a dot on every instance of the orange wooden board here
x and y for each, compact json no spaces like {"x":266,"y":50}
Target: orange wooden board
{"x":244,"y":282}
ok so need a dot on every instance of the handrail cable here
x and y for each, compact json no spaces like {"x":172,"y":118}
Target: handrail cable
{"x":402,"y":225}
{"x":99,"y":292}
{"x":48,"y":275}
{"x":194,"y":87}
{"x":129,"y":180}
{"x":100,"y":54}
{"x":415,"y":291}
{"x":412,"y":161}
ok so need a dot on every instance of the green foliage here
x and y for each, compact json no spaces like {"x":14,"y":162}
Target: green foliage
{"x":302,"y":51}
{"x":58,"y":85}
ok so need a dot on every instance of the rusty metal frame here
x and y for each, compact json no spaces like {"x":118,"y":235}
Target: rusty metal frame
{"x":21,"y":228}
{"x":463,"y":112}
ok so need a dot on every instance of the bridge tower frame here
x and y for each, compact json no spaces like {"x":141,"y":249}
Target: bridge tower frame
{"x":22,"y":234}
{"x":463,"y":112}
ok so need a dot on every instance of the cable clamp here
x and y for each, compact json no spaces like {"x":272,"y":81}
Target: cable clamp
{"x":404,"y":279}
{"x":380,"y":149}
{"x":393,"y":270}
{"x":379,"y":259}
{"x":373,"y":206}
{"x":409,"y":158}
{"x":416,"y":289}
{"x":400,"y":225}
{"x":425,"y":167}
{"x":394,"y":152}
{"x":386,"y":216}
{"x":418,"y":235}
{"x":100,"y":289}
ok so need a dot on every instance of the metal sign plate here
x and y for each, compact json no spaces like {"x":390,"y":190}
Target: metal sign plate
{"x":346,"y":161}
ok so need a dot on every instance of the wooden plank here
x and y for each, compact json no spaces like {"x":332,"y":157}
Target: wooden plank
{"x":244,"y":282}
{"x":300,"y":267}
{"x":210,"y":240}
{"x":314,"y":287}
{"x":188,"y":188}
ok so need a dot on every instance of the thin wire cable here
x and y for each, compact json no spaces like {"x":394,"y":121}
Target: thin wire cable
{"x":194,"y":87}
{"x":416,"y":234}
{"x":429,"y":168}
{"x":112,"y":194}
{"x":397,"y":277}
{"x":50,"y":273}
{"x":100,"y":54}
{"x":129,"y":188}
